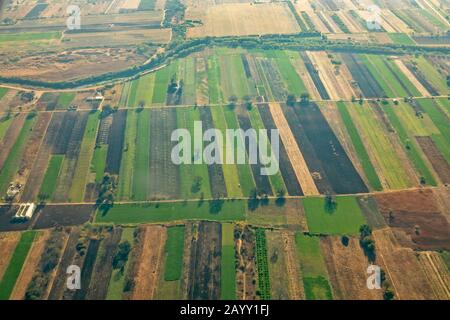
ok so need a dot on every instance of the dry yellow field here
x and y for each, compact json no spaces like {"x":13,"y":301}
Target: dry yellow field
{"x":242,"y":19}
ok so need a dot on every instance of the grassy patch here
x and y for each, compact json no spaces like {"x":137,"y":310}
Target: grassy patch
{"x":194,"y":177}
{"x":363,"y":156}
{"x":29,"y":36}
{"x":4,"y":125}
{"x":174,"y":250}
{"x":293,"y":82}
{"x":401,"y":38}
{"x":51,"y":176}
{"x":173,"y":211}
{"x":228,"y":263}
{"x":64,"y":100}
{"x":12,"y":162}
{"x":126,"y":167}
{"x":346,"y":218}
{"x":117,"y":280}
{"x":141,"y":173}
{"x":313,"y":268}
{"x":3,"y":91}
{"x":409,"y":146}
{"x":98,"y":162}
{"x":15,"y":264}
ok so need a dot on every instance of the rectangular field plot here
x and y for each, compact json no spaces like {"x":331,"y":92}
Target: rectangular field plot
{"x":244,"y":19}
{"x":340,"y":215}
{"x":313,"y":268}
{"x":219,"y":210}
{"x":228,"y":263}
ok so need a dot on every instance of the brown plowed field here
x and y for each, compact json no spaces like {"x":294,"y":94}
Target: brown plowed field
{"x":439,"y":163}
{"x":418,"y":215}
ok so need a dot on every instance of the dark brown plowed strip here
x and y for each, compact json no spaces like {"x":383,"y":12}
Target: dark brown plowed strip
{"x":204,"y":275}
{"x":164,"y":174}
{"x":117,"y":136}
{"x":215,"y":172}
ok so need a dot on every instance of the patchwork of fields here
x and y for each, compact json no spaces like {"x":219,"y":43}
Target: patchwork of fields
{"x":363,"y":157}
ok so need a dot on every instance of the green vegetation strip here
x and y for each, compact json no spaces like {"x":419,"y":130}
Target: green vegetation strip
{"x":262,"y":264}
{"x":15,"y":264}
{"x":228,"y":263}
{"x":342,"y":216}
{"x":3,"y":91}
{"x":218,"y":210}
{"x":12,"y":162}
{"x":117,"y":280}
{"x":313,"y":268}
{"x":363,"y":156}
{"x":29,"y":36}
{"x":401,"y":38}
{"x":174,"y":250}
{"x":98,"y":163}
{"x":5,"y":122}
{"x":409,"y":146}
{"x":51,"y":176}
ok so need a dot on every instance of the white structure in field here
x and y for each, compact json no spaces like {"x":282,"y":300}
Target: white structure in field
{"x":25,"y":211}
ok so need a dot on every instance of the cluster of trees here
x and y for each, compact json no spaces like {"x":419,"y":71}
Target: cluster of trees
{"x":106,"y":190}
{"x":121,"y":257}
{"x":48,"y":262}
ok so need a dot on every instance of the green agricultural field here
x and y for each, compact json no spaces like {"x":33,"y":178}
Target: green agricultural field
{"x":174,"y":211}
{"x":232,"y":76}
{"x":368,"y":168}
{"x":141,"y":168}
{"x":147,"y":5}
{"x":51,"y":176}
{"x":386,"y":77}
{"x":174,"y":253}
{"x":126,"y":167}
{"x":64,"y":100}
{"x":401,"y":38}
{"x":78,"y":186}
{"x":245,"y":174}
{"x":194,"y":177}
{"x":188,"y":74}
{"x":98,"y":162}
{"x":117,"y":280}
{"x":163,"y":76}
{"x":230,"y":171}
{"x":294,"y":83}
{"x":410,"y":146}
{"x":390,"y":164}
{"x":228,"y":263}
{"x":431,"y":74}
{"x":5,"y":122}
{"x":214,"y":89}
{"x":313,"y":268}
{"x":15,"y":265}
{"x":345,"y":217}
{"x":3,"y":91}
{"x":262,"y":264}
{"x":141,"y":93}
{"x":29,"y":36}
{"x":441,"y":122}
{"x":12,"y":162}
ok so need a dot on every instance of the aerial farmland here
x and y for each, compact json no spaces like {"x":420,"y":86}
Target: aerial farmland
{"x":93,"y":95}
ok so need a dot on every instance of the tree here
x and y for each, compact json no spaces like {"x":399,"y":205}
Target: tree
{"x":281,"y":200}
{"x":330,"y":204}
{"x":367,"y":243}
{"x":291,"y":100}
{"x":304,"y":99}
{"x":247,"y":102}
